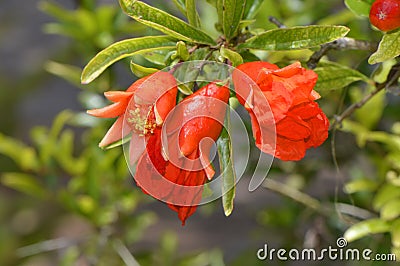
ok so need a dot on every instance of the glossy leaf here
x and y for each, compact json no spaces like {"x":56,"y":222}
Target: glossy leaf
{"x":388,"y":48}
{"x":333,"y":77}
{"x":232,"y":56}
{"x":191,"y":13}
{"x":359,"y":7}
{"x":120,"y":50}
{"x":164,"y":22}
{"x":141,"y":71}
{"x":24,"y":183}
{"x":227,"y":170}
{"x":251,"y":9}
{"x":302,"y":37}
{"x":365,"y":228}
{"x":232,"y":12}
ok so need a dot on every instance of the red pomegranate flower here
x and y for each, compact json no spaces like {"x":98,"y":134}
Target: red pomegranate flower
{"x":385,"y":14}
{"x":148,"y":100}
{"x":300,"y":123}
{"x":176,"y":169}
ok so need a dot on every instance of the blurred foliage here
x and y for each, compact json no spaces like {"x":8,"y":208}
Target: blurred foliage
{"x":63,"y":173}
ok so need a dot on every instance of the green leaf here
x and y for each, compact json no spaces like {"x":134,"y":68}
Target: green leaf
{"x":226,"y":165}
{"x":24,"y":156}
{"x":361,"y":185}
{"x":181,"y":51}
{"x":332,"y":76}
{"x":180,"y":4}
{"x":388,"y":48}
{"x":158,"y":55}
{"x":359,"y":7}
{"x":396,"y":233}
{"x":70,"y":73}
{"x":391,"y":209}
{"x":232,"y":56}
{"x":301,"y":37}
{"x":120,"y":50}
{"x":24,"y":183}
{"x":365,"y":228}
{"x":191,"y":13}
{"x":370,"y":114}
{"x":232,"y":12}
{"x":164,"y":22}
{"x":185,"y":89}
{"x":251,"y":9}
{"x":141,"y":71}
{"x":386,"y":193}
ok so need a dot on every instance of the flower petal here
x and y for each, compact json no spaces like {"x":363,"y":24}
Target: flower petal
{"x":110,"y":111}
{"x":293,"y":128}
{"x":289,"y":150}
{"x":114,"y":134}
{"x":118,"y":96}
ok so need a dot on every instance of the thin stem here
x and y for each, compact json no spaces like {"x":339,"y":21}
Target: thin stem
{"x":276,"y":21}
{"x":340,"y":44}
{"x":296,"y":195}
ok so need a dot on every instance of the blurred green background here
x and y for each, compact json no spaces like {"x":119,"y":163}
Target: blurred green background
{"x":64,"y":201}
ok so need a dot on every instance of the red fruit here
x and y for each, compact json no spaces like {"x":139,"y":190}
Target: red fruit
{"x":385,"y":14}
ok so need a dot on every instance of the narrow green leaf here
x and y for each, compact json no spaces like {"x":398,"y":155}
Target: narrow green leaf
{"x":232,"y":12}
{"x":24,"y":183}
{"x":371,"y":113}
{"x":246,"y":23}
{"x":158,"y":55}
{"x":68,"y":72}
{"x":361,"y":185}
{"x":332,"y":76}
{"x":232,"y":56}
{"x":359,"y":7}
{"x":24,"y":156}
{"x":386,"y":193}
{"x":226,"y":165}
{"x":391,"y":209}
{"x":365,"y":228}
{"x":191,"y":13}
{"x":301,"y":37}
{"x":117,"y":143}
{"x":395,"y":232}
{"x":120,"y":50}
{"x":164,"y":22}
{"x":181,"y":51}
{"x":180,"y":4}
{"x":251,"y":9}
{"x":388,"y":48}
{"x":185,"y":89}
{"x":141,"y":71}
